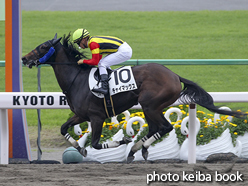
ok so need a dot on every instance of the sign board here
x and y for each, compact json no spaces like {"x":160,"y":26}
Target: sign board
{"x":33,"y":100}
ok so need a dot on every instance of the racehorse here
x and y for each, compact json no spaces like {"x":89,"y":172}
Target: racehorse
{"x":157,"y":88}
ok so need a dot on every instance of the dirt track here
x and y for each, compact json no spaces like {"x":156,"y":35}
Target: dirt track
{"x":121,"y":174}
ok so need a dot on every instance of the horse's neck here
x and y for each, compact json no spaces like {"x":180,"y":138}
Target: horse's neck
{"x":67,"y":74}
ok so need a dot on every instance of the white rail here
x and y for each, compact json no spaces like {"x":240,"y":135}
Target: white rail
{"x":57,"y":100}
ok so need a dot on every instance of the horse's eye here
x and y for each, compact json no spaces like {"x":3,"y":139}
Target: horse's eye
{"x":43,"y":47}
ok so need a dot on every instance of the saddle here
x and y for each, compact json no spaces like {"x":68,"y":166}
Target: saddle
{"x":120,"y":80}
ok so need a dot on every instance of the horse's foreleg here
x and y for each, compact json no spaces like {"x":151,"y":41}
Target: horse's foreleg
{"x":71,"y":122}
{"x":113,"y":144}
{"x":96,"y":125}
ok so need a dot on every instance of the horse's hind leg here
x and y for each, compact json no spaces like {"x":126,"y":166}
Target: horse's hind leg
{"x":158,"y":127}
{"x":164,"y":127}
{"x":71,"y":122}
{"x":139,"y":144}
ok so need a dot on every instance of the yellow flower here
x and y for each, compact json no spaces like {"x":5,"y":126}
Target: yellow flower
{"x":222,"y":118}
{"x":123,"y":122}
{"x":125,"y":126}
{"x":179,"y":121}
{"x":177,"y":126}
{"x":216,"y":126}
{"x":86,"y":131}
{"x":140,"y":114}
{"x":183,"y":112}
{"x":135,"y":122}
{"x":235,"y":133}
{"x":245,"y":121}
{"x":205,"y":120}
{"x":201,"y":136}
{"x":132,"y":115}
{"x":102,"y":136}
{"x":211,"y":115}
{"x":233,"y":124}
{"x":227,"y":120}
{"x":104,"y":124}
{"x":145,"y":125}
{"x":205,"y":126}
{"x":201,"y":112}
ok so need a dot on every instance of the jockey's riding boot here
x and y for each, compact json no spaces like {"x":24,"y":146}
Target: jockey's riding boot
{"x":105,"y":86}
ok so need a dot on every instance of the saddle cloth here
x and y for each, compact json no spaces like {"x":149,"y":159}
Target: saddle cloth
{"x":120,"y":80}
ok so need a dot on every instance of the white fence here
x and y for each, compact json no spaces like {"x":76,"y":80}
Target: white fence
{"x":57,"y":100}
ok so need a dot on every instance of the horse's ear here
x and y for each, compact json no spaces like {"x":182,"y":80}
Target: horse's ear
{"x":55,"y":37}
{"x":55,"y":41}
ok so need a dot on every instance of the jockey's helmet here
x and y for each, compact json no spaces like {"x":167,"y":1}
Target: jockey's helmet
{"x":79,"y":34}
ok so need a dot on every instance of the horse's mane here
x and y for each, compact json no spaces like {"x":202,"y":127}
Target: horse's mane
{"x":72,"y":52}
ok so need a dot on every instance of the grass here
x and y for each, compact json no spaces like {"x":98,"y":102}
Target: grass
{"x":152,"y":35}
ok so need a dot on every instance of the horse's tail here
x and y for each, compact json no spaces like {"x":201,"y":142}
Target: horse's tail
{"x":194,"y":93}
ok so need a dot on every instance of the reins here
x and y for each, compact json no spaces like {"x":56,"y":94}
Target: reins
{"x":66,"y":91}
{"x":59,"y":63}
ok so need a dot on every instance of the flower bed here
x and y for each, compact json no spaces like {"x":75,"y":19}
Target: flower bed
{"x":212,"y":126}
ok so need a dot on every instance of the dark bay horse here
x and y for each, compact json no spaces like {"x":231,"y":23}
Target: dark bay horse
{"x":158,"y":87}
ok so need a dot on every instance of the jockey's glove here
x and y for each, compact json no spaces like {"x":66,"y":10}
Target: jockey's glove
{"x":80,"y":62}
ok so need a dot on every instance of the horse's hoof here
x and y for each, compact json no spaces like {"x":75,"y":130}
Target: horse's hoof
{"x":82,"y":151}
{"x":144,"y":153}
{"x":130,"y":159}
{"x":126,"y":140}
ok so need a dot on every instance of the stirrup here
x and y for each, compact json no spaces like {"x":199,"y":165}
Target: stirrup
{"x":100,"y":90}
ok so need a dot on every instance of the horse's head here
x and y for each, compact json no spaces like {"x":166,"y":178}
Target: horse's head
{"x":33,"y":57}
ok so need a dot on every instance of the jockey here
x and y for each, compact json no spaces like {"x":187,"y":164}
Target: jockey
{"x":116,"y":49}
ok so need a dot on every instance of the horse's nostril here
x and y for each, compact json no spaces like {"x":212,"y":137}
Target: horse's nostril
{"x":24,"y":59}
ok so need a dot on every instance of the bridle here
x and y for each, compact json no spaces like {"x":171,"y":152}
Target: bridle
{"x":37,"y":62}
{"x":39,"y":56}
